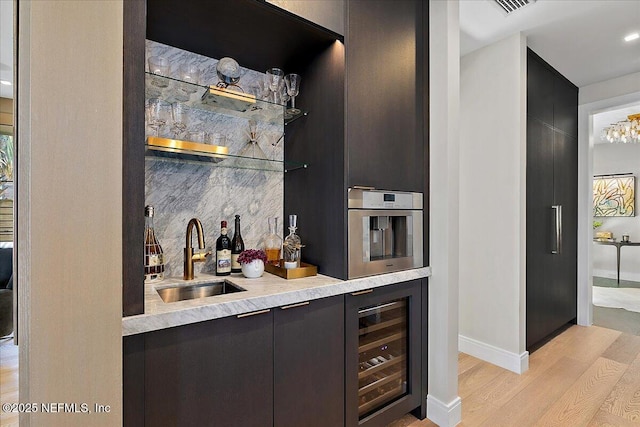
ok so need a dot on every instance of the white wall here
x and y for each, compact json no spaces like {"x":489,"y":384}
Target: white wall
{"x":443,"y":404}
{"x":493,"y":202}
{"x":612,"y":159}
{"x":69,"y":275}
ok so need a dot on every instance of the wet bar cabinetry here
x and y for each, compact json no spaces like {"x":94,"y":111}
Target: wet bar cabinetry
{"x":281,"y":367}
{"x":383,"y":354}
{"x":259,"y":36}
{"x":383,"y":143}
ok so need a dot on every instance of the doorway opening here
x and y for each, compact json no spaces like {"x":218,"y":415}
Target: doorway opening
{"x":615,"y":261}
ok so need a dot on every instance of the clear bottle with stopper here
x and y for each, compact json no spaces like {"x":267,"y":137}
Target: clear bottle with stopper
{"x":292,"y":245}
{"x":273,"y":242}
{"x":153,"y":254}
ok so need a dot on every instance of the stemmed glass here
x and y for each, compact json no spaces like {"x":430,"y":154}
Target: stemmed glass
{"x":180,"y":115}
{"x":189,"y":73}
{"x":292,"y":81}
{"x":158,"y":112}
{"x":274,"y":78}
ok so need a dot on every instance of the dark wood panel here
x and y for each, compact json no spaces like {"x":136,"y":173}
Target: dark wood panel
{"x":309,"y":364}
{"x":257,"y":34}
{"x":540,"y":95}
{"x":318,"y":194}
{"x":565,"y":111}
{"x":217,"y":371}
{"x":133,"y":158}
{"x":133,"y":381}
{"x":540,"y":261}
{"x":552,"y":179}
{"x":564,"y":291}
{"x":384,"y":130}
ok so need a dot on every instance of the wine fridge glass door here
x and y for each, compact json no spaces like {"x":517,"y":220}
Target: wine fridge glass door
{"x":382,"y":355}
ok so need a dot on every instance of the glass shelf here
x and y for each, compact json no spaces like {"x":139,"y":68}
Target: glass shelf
{"x":216,"y":155}
{"x":221,"y":101}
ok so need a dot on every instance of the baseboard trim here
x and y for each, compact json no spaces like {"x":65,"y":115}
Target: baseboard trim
{"x":443,"y":414}
{"x":518,"y":363}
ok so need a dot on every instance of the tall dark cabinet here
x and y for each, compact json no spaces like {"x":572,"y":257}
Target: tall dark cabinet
{"x":552,"y":200}
{"x":383,"y":143}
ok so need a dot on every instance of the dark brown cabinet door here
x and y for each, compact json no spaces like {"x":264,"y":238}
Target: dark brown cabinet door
{"x":564,"y":291}
{"x":552,"y":200}
{"x":540,"y":233}
{"x":309,"y":364}
{"x":540,"y":82}
{"x":384,"y":132}
{"x":218,"y":372}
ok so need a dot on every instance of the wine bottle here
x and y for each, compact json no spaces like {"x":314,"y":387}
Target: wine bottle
{"x":153,"y":254}
{"x":223,"y":252}
{"x":237,"y":246}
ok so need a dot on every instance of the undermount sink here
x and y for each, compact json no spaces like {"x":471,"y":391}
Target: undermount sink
{"x":199,"y":290}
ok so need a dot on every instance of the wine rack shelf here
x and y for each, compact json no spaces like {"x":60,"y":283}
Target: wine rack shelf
{"x":382,"y":346}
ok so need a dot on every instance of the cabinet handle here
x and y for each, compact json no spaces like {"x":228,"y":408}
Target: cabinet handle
{"x":368,"y":291}
{"x":363,"y":187}
{"x":253,"y":313}
{"x":300,"y":304}
{"x":557,"y":226}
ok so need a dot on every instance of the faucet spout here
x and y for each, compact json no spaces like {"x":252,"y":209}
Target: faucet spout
{"x":189,"y":256}
{"x":195,"y":222}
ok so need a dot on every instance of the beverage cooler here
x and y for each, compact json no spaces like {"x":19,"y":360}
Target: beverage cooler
{"x":383,"y":352}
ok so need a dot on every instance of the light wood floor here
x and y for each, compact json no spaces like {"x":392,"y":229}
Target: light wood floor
{"x":8,"y":380}
{"x":586,"y":376}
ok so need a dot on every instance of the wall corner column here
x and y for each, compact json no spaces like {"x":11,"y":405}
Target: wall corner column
{"x":443,"y":404}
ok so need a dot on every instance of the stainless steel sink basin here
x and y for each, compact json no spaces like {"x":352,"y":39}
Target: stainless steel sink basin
{"x":199,"y":290}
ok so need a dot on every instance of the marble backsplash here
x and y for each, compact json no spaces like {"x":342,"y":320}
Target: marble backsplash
{"x":180,"y":190}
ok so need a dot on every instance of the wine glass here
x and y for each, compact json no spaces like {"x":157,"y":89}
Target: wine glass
{"x":274,"y":77}
{"x":292,"y":81}
{"x":180,"y":116}
{"x":158,"y":112}
{"x":159,"y":65}
{"x":190,"y":74}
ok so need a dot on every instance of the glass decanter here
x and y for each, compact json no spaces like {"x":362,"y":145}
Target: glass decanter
{"x":292,"y":245}
{"x":273,"y":243}
{"x":252,"y":149}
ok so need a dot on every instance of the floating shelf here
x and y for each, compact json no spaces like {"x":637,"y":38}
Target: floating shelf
{"x":227,"y":102}
{"x":216,"y":155}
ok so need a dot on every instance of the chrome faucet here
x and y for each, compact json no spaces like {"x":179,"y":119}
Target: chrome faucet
{"x":189,"y":257}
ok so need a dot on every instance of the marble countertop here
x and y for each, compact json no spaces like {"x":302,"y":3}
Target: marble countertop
{"x":265,"y":292}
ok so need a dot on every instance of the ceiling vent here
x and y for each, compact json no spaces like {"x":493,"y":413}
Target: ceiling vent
{"x":511,"y":6}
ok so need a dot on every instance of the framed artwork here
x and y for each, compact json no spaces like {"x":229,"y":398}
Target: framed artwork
{"x":614,"y":195}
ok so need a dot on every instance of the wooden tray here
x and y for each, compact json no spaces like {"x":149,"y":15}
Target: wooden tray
{"x":305,"y":270}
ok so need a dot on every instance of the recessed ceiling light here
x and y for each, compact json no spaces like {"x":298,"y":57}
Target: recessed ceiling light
{"x":5,"y":82}
{"x":632,"y":37}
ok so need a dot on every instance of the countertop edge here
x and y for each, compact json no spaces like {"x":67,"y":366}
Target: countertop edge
{"x":133,"y":325}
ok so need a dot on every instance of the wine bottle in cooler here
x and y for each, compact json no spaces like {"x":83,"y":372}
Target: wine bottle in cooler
{"x":153,"y":254}
{"x":223,"y":252}
{"x":237,"y":246}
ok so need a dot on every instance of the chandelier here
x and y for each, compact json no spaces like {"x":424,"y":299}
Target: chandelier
{"x":624,"y":131}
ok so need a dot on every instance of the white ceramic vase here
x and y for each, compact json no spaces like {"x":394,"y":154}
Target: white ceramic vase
{"x":253,"y":269}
